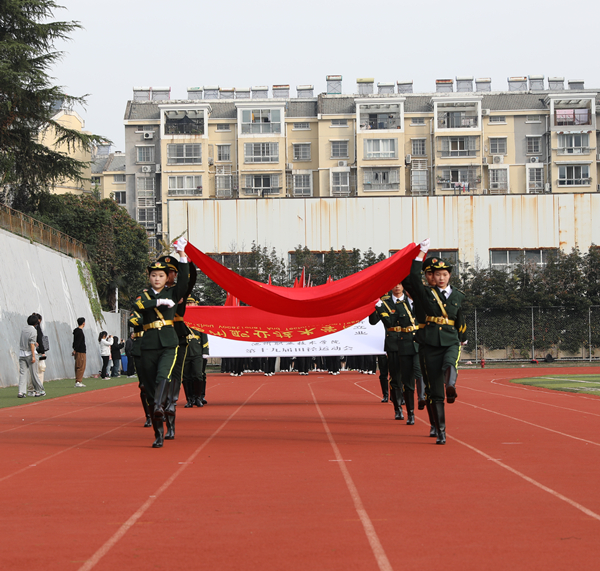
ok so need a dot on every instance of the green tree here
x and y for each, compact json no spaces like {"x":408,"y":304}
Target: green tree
{"x":28,"y":101}
{"x":117,"y":245}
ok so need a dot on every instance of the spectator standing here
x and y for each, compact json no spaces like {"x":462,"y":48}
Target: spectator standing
{"x":115,"y":353}
{"x":79,"y":351}
{"x":105,"y":341}
{"x":41,"y":349}
{"x":129,"y":355}
{"x":27,"y":359}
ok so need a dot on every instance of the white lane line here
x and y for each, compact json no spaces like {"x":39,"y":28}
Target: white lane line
{"x":112,"y":541}
{"x":67,"y":449}
{"x":530,"y":423}
{"x":567,"y":380}
{"x":536,"y":402}
{"x":380,"y":556}
{"x":552,"y":492}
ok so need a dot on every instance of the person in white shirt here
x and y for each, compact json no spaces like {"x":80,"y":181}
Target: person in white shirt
{"x":105,"y":340}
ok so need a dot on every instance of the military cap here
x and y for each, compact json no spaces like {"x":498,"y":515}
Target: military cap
{"x":191,"y":300}
{"x":427,"y":264}
{"x":170,"y":262}
{"x":439,"y":264}
{"x":158,"y":265}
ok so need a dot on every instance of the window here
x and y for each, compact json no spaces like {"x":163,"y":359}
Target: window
{"x":95,"y":180}
{"x":340,"y":183}
{"x":146,"y":202}
{"x":302,"y":151}
{"x":498,"y":145}
{"x":120,"y":197}
{"x":145,"y":154}
{"x":223,"y":152}
{"x":381,"y":179}
{"x":418,"y":147}
{"x":498,"y":180}
{"x":534,"y":145}
{"x":450,"y":256}
{"x":261,"y":152}
{"x":185,"y":185}
{"x":459,"y":146}
{"x":261,"y":121}
{"x":381,"y":148}
{"x":379,"y":116}
{"x":417,"y":121}
{"x":339,"y":149}
{"x":118,"y":178}
{"x":302,"y":126}
{"x":497,"y":119}
{"x":339,"y":122}
{"x":262,"y":184}
{"x":534,"y":119}
{"x":146,"y":128}
{"x":418,"y":176}
{"x":573,"y":175}
{"x":572,"y":117}
{"x":184,"y":154}
{"x":507,"y":259}
{"x":573,"y":144}
{"x":535,"y":180}
{"x":302,"y":185}
{"x":457,"y":119}
{"x":185,"y":122}
{"x":462,"y":179}
{"x":223,"y":181}
{"x":223,"y":127}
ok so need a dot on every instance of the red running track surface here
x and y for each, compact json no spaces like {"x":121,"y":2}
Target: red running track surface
{"x":295,"y":473}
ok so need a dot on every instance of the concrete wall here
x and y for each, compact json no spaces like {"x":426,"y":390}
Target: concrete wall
{"x":37,"y":279}
{"x":474,"y":225}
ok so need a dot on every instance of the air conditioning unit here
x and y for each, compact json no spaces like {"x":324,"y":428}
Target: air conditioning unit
{"x":290,"y":166}
{"x":408,"y":159}
{"x":342,"y":163}
{"x":484,"y":160}
{"x":485,"y":111}
{"x":147,"y":168}
{"x":211,"y":161}
{"x":498,"y":159}
{"x":148,"y":135}
{"x":534,"y":159}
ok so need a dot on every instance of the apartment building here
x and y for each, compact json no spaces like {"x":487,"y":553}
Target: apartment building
{"x":531,"y":137}
{"x":108,"y":175}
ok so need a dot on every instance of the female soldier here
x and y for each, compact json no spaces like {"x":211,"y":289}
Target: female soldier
{"x":444,"y":330}
{"x":157,"y":306}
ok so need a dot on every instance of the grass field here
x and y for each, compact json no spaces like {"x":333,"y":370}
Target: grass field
{"x":60,"y":388}
{"x":582,"y":384}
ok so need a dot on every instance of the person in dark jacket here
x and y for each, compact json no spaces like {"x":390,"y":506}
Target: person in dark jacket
{"x":128,"y":353}
{"x":79,"y":351}
{"x":115,"y":355}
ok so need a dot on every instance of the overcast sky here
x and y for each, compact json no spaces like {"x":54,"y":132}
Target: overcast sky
{"x":180,"y":43}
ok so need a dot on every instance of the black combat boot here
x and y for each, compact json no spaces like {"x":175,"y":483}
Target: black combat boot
{"x":450,"y":382}
{"x":160,"y":398}
{"x":421,"y":393}
{"x":146,"y":409}
{"x":384,"y":389}
{"x":441,"y":424}
{"x":409,"y":398}
{"x":430,"y":413}
{"x":159,"y":432}
{"x":170,"y":420}
{"x":396,"y":400}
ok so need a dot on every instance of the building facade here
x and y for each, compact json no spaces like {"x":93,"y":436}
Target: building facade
{"x":464,"y":139}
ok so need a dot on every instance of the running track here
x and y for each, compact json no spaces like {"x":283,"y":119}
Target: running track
{"x":290,"y":473}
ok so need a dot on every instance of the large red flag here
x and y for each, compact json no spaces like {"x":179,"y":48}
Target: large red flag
{"x":336,"y":298}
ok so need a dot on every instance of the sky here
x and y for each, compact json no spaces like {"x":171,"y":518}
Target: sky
{"x":183,"y":43}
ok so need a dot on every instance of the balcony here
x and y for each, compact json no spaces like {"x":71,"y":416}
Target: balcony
{"x":184,"y":126}
{"x":573,"y":151}
{"x":566,"y":117}
{"x":457,"y":120}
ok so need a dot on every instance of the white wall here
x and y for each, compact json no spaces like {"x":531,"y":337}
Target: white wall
{"x":37,"y":279}
{"x":471,"y":224}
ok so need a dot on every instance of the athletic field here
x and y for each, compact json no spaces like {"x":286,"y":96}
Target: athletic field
{"x":291,"y":473}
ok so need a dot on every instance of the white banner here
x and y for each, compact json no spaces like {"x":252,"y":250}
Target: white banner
{"x":360,"y":339}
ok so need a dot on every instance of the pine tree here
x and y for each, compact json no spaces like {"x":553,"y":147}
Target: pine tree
{"x":28,"y":102}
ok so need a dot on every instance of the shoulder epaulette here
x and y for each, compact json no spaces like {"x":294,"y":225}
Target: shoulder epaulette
{"x":385,"y":297}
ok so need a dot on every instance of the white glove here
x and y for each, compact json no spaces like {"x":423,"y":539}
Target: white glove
{"x":379,"y":303}
{"x":424,"y":245}
{"x":464,"y":342}
{"x":180,"y":244}
{"x":167,"y":302}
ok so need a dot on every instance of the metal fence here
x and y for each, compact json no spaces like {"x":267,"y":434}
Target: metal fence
{"x":23,"y":225}
{"x":533,"y":333}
